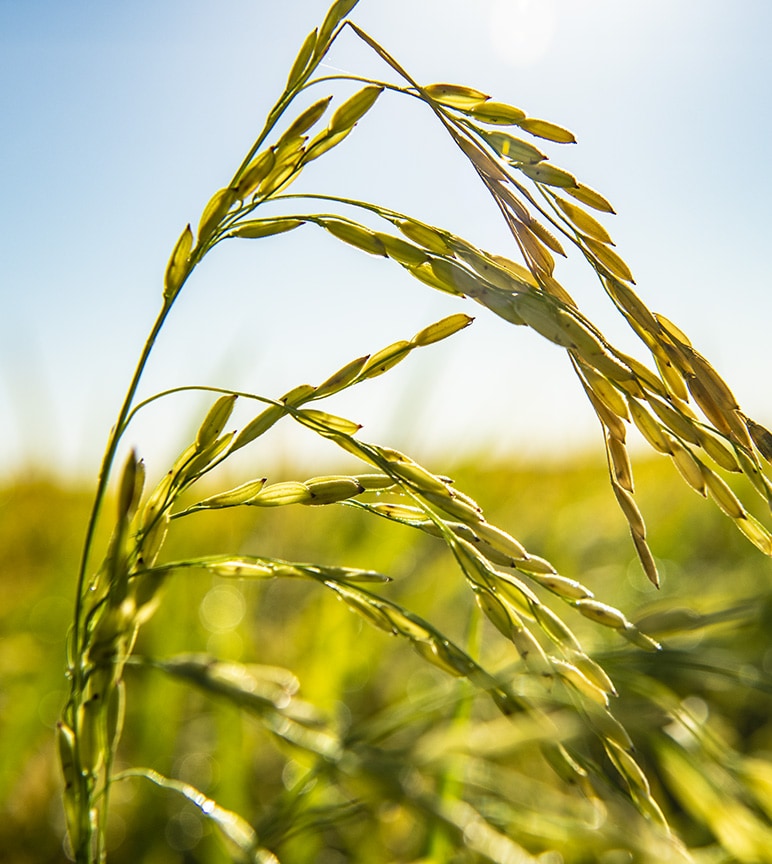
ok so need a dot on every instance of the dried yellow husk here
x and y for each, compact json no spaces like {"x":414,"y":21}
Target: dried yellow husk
{"x":750,"y":468}
{"x":533,"y":565}
{"x":241,"y":494}
{"x":298,"y":395}
{"x":610,"y":729}
{"x":215,"y":420}
{"x":756,"y":533}
{"x":205,"y":457}
{"x":324,"y":141}
{"x":620,"y":460}
{"x":541,"y":261}
{"x":594,"y":672}
{"x":413,"y":473}
{"x":377,"y":482}
{"x":721,"y":453}
{"x":152,"y":540}
{"x":219,"y":204}
{"x":624,"y":296}
{"x":723,"y":495}
{"x":630,"y":509}
{"x":442,"y":329}
{"x":602,"y":613}
{"x":762,"y":438}
{"x":604,"y":362}
{"x":501,"y":304}
{"x":177,"y":268}
{"x":607,"y":417}
{"x":326,"y":423}
{"x":708,"y":405}
{"x":506,"y":194}
{"x":532,"y":653}
{"x":255,"y":428}
{"x":426,"y":236}
{"x":607,"y":392}
{"x":496,"y":113}
{"x":500,"y":540}
{"x":281,"y":176}
{"x":491,"y":269}
{"x":130,"y":487}
{"x":521,"y":274}
{"x":673,"y":331}
{"x":551,"y":286}
{"x":564,"y":587}
{"x":455,"y":95}
{"x":402,"y":251}
{"x":588,"y":225}
{"x":591,"y":198}
{"x":329,"y":490}
{"x":627,"y":766}
{"x":652,"y":574}
{"x":501,"y":615}
{"x":544,"y":316}
{"x":300,"y":63}
{"x":676,"y":421}
{"x":425,"y":273}
{"x":512,"y":148}
{"x":354,"y":234}
{"x":354,"y":108}
{"x":336,"y":13}
{"x":458,"y":279}
{"x":546,"y":237}
{"x":257,"y":170}
{"x":549,"y":175}
{"x":481,"y":159}
{"x":453,"y":504}
{"x":387,"y":357}
{"x":580,"y":682}
{"x":555,"y":628}
{"x":281,"y":494}
{"x":257,"y":228}
{"x":307,"y":118}
{"x":609,"y":259}
{"x":402,"y":513}
{"x":688,"y":466}
{"x":342,"y":378}
{"x":548,"y":131}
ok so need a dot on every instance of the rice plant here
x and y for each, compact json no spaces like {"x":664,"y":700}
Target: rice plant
{"x":464,"y":767}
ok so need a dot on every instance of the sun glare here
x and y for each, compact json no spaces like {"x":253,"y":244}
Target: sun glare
{"x":521,"y":30}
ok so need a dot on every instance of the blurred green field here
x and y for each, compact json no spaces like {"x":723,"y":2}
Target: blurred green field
{"x":713,"y":615}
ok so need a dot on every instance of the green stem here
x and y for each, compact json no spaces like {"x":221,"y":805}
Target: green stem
{"x":83,"y":852}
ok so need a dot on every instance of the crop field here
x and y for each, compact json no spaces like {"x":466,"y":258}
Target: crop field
{"x":698,"y":711}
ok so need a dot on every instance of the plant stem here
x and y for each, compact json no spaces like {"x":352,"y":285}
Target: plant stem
{"x":86,"y":829}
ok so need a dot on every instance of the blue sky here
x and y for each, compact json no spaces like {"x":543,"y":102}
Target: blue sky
{"x":120,"y":120}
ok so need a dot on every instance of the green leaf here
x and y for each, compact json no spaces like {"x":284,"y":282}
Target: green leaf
{"x":235,"y":828}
